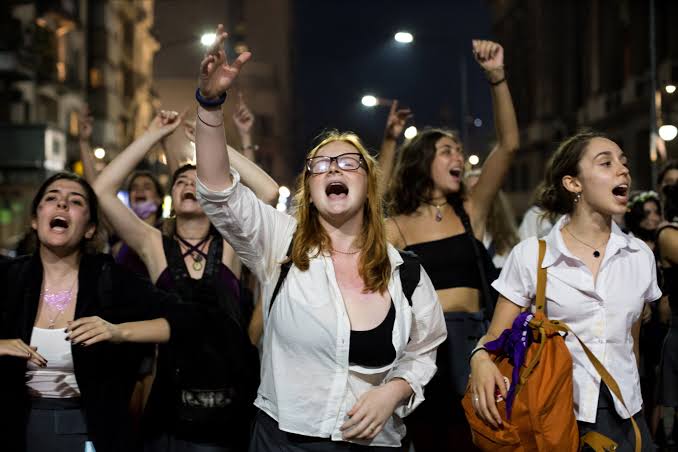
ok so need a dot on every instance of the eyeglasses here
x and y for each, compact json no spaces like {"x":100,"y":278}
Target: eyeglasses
{"x":350,"y":161}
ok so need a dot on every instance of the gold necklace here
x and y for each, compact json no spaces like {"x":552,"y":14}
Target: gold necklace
{"x":439,"y":213}
{"x":345,"y":252}
{"x":596,"y":253}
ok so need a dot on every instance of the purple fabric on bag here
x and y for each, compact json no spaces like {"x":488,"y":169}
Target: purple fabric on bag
{"x":513,"y":343}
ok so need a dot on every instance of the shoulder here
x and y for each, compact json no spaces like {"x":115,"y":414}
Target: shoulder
{"x":526,"y":249}
{"x":642,"y":246}
{"x":394,"y":227}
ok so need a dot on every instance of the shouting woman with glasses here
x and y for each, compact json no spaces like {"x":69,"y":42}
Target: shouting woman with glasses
{"x":351,"y":326}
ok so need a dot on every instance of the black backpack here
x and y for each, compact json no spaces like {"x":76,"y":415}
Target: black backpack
{"x":215,"y":376}
{"x":410,"y":272}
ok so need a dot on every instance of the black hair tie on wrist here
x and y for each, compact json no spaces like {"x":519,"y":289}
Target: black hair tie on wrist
{"x":209,"y":102}
{"x":498,"y":82}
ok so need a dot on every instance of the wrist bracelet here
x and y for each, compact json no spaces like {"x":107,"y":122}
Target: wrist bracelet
{"x":498,"y":82}
{"x":207,"y":123}
{"x":476,"y":350}
{"x":209,"y":102}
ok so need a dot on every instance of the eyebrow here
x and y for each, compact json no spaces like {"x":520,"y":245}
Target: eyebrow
{"x":609,"y":153}
{"x":54,"y":190}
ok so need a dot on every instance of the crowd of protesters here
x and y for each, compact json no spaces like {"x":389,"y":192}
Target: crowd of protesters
{"x":355,"y":322}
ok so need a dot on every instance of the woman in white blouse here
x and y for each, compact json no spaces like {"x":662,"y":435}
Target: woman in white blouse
{"x":344,"y":280}
{"x":598,"y":281}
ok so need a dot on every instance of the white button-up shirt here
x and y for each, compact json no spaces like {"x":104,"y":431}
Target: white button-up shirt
{"x":600,"y":312}
{"x":307,"y":384}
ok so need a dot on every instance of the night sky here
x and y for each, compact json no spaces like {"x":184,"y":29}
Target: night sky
{"x":345,"y":49}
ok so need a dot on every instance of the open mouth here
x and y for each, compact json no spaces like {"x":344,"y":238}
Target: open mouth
{"x":188,"y":196}
{"x":455,"y":172}
{"x":139,"y":198}
{"x":58,"y":223}
{"x":621,"y":191}
{"x":336,"y":189}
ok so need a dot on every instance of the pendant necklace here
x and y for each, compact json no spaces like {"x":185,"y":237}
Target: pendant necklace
{"x":345,"y":252}
{"x":596,"y":253}
{"x":439,"y":213}
{"x":57,"y":301}
{"x":195,"y":251}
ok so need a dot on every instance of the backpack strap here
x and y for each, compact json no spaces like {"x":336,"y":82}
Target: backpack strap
{"x":284,"y":270}
{"x":560,"y":326}
{"x":410,"y":273}
{"x":468,"y":229}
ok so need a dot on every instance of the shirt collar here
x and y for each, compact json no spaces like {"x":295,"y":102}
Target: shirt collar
{"x":556,"y":249}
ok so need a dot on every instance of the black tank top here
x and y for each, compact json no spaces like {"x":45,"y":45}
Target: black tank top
{"x":374,"y":348}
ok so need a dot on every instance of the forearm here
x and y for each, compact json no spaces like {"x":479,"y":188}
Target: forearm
{"x":88,"y":168}
{"x":115,"y":173}
{"x":210,"y":142}
{"x":505,"y":121}
{"x":386,"y":161}
{"x":254,"y":177}
{"x":156,"y":331}
{"x":402,"y":390}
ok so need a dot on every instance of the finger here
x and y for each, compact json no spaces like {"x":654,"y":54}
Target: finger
{"x":220,"y":38}
{"x":368,"y":431}
{"x":87,"y":335}
{"x":492,"y":404}
{"x":484,"y":410}
{"x":356,"y":407}
{"x":501,"y":384}
{"x":241,"y":100}
{"x":353,"y":420}
{"x":241,"y":60}
{"x":78,"y":322}
{"x":359,"y":429}
{"x":394,"y":107}
{"x":376,"y":431}
{"x":100,"y":337}
{"x":76,"y":335}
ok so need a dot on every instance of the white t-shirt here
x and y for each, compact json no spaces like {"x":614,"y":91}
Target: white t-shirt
{"x":600,"y":312}
{"x":57,"y":380}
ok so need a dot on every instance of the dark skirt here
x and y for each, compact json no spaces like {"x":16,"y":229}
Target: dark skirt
{"x":267,"y":437}
{"x":165,"y":442}
{"x":619,"y":430}
{"x":57,"y":425}
{"x":439,"y":422}
{"x":668,"y":383}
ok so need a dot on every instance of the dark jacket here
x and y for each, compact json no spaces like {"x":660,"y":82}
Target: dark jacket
{"x":105,"y":372}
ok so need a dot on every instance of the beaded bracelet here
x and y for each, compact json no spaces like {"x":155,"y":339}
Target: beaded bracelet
{"x":209,"y":102}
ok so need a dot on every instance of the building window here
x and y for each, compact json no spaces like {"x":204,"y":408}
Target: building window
{"x":73,"y":123}
{"x":95,"y":77}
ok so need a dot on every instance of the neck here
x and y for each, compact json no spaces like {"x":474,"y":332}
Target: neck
{"x":344,"y":236}
{"x":194,"y":228}
{"x":59,"y":266}
{"x":590,"y":225}
{"x":151,"y":219}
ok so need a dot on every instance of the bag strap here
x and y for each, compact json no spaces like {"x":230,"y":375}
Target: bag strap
{"x":560,"y":326}
{"x":468,"y":229}
{"x":410,"y":274}
{"x":284,"y":270}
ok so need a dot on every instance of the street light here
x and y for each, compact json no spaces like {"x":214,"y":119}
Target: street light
{"x":473,"y":159}
{"x":208,"y":39}
{"x":670,"y":89}
{"x":369,"y":100}
{"x":100,"y":153}
{"x":410,"y":132}
{"x":668,"y":132}
{"x":403,"y":37}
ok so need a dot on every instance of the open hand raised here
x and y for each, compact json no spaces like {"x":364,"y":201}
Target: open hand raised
{"x":216,"y":74}
{"x":395,"y":123}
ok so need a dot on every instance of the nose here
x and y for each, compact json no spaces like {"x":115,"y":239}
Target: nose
{"x":334,"y":166}
{"x":62,"y":204}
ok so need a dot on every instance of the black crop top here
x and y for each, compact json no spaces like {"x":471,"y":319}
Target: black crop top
{"x":449,"y":262}
{"x":374,"y":348}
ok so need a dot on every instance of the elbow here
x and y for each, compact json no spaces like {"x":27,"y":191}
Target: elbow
{"x":270,"y":197}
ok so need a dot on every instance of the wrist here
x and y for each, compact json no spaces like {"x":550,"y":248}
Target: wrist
{"x":478,"y":353}
{"x":401,"y":389}
{"x":496,"y":76}
{"x":210,"y":101}
{"x":124,"y":333}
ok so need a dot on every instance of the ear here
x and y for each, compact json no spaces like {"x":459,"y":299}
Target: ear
{"x":571,"y":184}
{"x":34,"y":223}
{"x":91,"y":230}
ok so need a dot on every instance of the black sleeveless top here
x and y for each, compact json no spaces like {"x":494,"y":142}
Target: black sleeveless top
{"x":670,"y":279}
{"x":374,"y":348}
{"x":449,"y":262}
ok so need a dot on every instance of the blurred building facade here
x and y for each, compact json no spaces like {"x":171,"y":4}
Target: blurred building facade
{"x":263,"y":27}
{"x":585,"y":64}
{"x":55,"y":56}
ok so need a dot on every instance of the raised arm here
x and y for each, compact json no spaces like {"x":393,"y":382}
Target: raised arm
{"x":251,"y":174}
{"x":395,"y":123}
{"x":244,"y":120}
{"x":216,"y":77}
{"x":85,"y":121}
{"x":134,"y":231}
{"x":490,"y":56}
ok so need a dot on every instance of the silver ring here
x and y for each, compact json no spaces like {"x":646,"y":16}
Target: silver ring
{"x":476,"y":398}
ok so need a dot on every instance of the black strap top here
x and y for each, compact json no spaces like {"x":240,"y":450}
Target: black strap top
{"x":449,"y":262}
{"x":374,"y":348}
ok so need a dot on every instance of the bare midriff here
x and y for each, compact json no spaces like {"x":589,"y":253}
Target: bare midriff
{"x":459,"y":299}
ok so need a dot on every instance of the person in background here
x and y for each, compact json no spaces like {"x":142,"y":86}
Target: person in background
{"x":345,"y":354}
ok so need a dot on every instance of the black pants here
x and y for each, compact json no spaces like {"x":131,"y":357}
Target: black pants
{"x":166,"y":442}
{"x":56,"y":425}
{"x":267,"y":437}
{"x":619,"y":430}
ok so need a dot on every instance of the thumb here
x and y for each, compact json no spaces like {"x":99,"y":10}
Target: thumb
{"x":501,"y":384}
